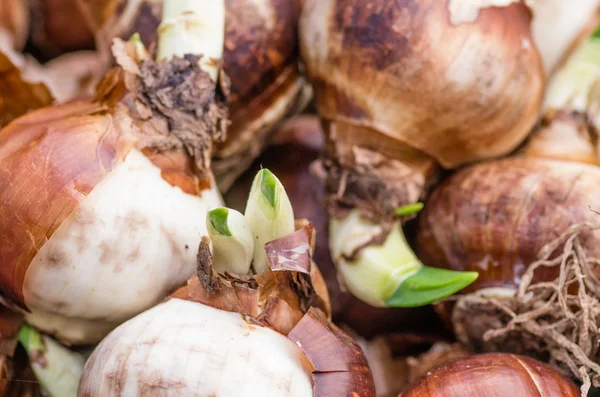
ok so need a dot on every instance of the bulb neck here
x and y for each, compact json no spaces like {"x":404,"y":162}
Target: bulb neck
{"x":193,"y":27}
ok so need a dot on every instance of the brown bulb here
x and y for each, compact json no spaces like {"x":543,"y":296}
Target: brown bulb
{"x":58,"y":27}
{"x":457,"y":80}
{"x":260,"y":58}
{"x":495,"y":217}
{"x":494,"y":375}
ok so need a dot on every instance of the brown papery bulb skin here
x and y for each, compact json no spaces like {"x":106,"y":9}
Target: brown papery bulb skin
{"x":296,"y":144}
{"x":18,"y":95}
{"x":460,"y":86}
{"x":260,"y":57}
{"x":494,"y":375}
{"x":58,"y":27}
{"x":495,"y":217}
{"x":14,"y":18}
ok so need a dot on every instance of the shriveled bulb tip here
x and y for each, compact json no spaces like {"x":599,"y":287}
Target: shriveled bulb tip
{"x":430,"y":284}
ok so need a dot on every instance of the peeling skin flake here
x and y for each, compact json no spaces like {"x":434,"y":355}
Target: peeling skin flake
{"x":466,"y":11}
{"x":292,"y":252}
{"x":296,"y":253}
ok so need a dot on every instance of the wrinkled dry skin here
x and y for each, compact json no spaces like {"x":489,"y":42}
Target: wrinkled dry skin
{"x":389,"y":373}
{"x":399,"y":360}
{"x":73,"y":75}
{"x":85,"y":223}
{"x":260,"y":57}
{"x":526,"y":224}
{"x":494,"y":375}
{"x":494,"y":217}
{"x":14,"y":18}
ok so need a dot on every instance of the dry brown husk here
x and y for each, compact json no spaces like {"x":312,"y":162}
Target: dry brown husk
{"x":339,"y":365}
{"x":277,"y":298}
{"x":136,"y":106}
{"x":27,"y":85}
{"x":17,"y":95}
{"x":441,"y":353}
{"x":260,"y":56}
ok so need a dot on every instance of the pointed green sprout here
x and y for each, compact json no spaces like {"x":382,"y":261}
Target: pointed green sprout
{"x":389,"y":274}
{"x":428,"y":285}
{"x":269,"y":214}
{"x":576,"y":84}
{"x":193,"y":27}
{"x":409,"y":209}
{"x":232,"y":241}
{"x":57,"y":368}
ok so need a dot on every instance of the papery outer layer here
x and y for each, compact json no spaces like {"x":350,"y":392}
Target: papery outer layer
{"x":51,"y":159}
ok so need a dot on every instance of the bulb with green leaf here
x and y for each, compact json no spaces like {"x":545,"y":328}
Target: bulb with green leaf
{"x":389,"y":274}
{"x":57,"y":368}
{"x":232,"y":241}
{"x":269,"y":214}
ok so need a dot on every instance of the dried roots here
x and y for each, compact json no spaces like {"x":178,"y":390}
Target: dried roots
{"x":555,"y":321}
